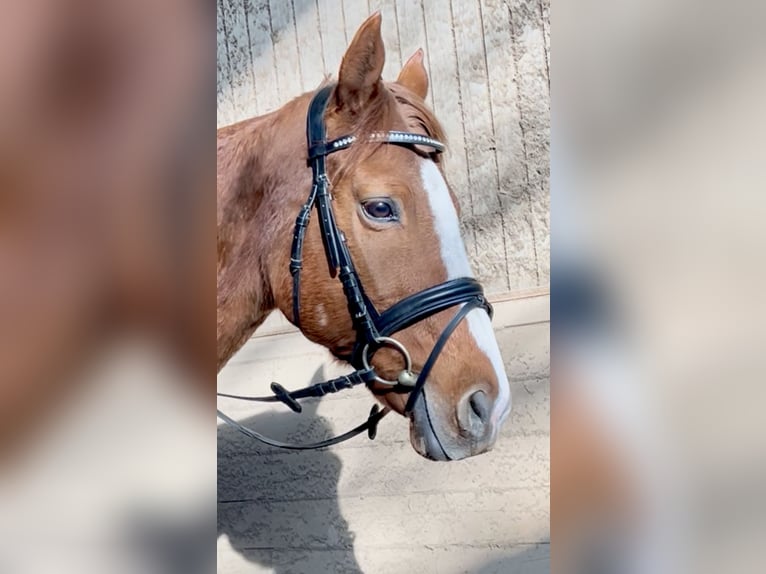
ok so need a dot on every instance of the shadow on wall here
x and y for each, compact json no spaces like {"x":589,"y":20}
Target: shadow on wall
{"x":278,"y":508}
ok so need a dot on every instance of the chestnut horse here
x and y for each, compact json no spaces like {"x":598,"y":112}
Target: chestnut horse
{"x":400,"y":221}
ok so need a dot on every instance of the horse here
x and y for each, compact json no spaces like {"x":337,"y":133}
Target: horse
{"x":389,"y":210}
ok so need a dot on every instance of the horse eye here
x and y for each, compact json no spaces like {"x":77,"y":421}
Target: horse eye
{"x":379,"y":209}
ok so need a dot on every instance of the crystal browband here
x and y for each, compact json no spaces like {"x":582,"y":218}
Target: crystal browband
{"x":392,"y":137}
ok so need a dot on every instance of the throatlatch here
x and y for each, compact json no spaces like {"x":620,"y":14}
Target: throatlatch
{"x":374,"y":330}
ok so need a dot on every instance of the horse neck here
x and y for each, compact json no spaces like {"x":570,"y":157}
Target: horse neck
{"x":262,"y":182}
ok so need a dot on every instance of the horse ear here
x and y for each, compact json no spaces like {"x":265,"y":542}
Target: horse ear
{"x":414,"y":76}
{"x":361,"y":68}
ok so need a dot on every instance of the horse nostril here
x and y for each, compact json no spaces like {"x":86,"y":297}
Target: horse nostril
{"x":479,"y":402}
{"x":473,"y":414}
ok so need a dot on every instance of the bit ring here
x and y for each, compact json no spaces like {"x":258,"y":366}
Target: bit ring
{"x":394,"y":344}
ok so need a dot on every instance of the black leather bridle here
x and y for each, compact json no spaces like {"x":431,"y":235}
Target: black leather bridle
{"x":374,"y":330}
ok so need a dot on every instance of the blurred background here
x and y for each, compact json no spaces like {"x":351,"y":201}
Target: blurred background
{"x":658,"y":438}
{"x":107,"y":165}
{"x":106,"y":284}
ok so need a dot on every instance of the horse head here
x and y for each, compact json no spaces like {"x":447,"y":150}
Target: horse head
{"x":399,"y":221}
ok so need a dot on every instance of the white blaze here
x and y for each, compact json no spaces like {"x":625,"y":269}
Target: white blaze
{"x":455,"y":260}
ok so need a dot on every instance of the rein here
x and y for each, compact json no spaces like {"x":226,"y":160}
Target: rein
{"x":374,"y":330}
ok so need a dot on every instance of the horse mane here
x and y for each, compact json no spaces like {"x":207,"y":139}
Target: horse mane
{"x":419,"y":118}
{"x":385,"y":112}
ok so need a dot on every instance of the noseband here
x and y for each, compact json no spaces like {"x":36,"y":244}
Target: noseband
{"x":374,"y":330}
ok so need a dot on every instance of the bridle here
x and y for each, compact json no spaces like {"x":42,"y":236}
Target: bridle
{"x":374,"y":330}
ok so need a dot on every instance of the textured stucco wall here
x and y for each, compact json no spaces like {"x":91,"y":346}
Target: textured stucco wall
{"x":488,"y":62}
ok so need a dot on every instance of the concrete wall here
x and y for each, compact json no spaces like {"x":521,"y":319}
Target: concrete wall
{"x":376,"y":506}
{"x":488,"y":63}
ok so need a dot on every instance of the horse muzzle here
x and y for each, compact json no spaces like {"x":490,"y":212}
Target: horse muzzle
{"x":438,"y":434}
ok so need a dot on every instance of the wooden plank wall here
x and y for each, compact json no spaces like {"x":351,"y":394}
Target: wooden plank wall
{"x":488,"y":62}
